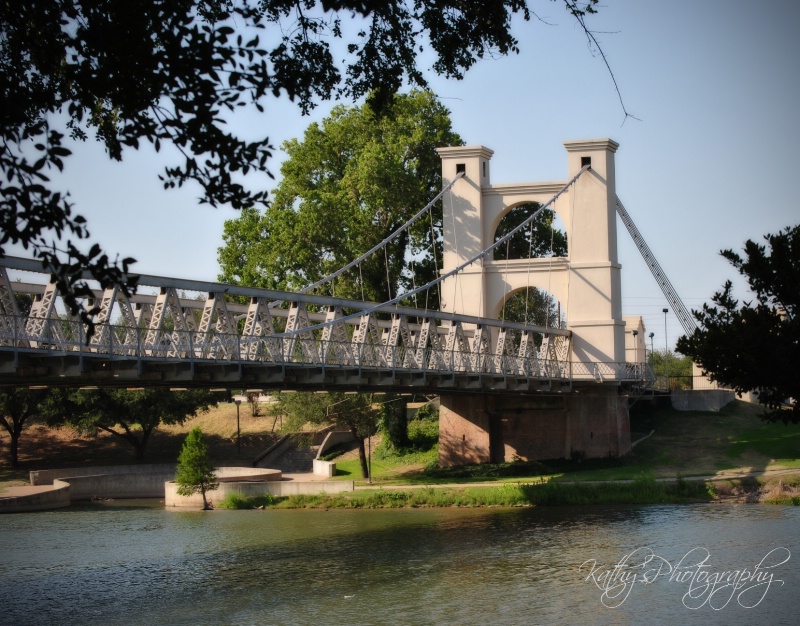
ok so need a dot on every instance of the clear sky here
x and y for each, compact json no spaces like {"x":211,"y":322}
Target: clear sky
{"x":711,"y":163}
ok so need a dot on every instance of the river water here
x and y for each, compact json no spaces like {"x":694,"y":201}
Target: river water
{"x":136,"y":563}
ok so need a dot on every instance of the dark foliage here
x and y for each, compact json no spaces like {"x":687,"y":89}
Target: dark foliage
{"x":755,"y":346}
{"x":172,"y":72}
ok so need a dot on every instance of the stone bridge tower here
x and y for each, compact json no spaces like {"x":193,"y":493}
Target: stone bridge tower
{"x":586,"y":284}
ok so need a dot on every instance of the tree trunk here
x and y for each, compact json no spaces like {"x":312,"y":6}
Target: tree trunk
{"x":14,"y":429}
{"x":206,"y":505}
{"x":362,"y":455}
{"x":139,"y":450}
{"x":13,"y":449}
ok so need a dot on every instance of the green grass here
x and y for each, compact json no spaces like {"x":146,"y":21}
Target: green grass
{"x":234,"y":501}
{"x":644,"y":490}
{"x":780,"y":442}
{"x":700,"y":444}
{"x":388,"y":464}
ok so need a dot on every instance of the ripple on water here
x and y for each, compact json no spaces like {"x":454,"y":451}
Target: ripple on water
{"x":143,"y":565}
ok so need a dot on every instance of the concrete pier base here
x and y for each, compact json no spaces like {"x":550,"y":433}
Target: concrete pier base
{"x":590,"y":422}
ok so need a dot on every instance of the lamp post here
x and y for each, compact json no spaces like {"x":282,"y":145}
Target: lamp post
{"x":635,"y":334}
{"x":666,"y":349}
{"x":652,"y":353}
{"x":237,"y":402}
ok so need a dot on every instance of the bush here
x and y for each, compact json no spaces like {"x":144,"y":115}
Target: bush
{"x":236,"y":501}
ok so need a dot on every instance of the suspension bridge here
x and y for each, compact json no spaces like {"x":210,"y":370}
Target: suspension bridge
{"x":182,"y":333}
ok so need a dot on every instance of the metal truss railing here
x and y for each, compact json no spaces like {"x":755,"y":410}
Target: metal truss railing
{"x":58,"y":336}
{"x":309,"y":330}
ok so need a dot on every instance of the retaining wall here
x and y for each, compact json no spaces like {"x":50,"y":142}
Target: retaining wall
{"x":253,"y":489}
{"x":46,"y":477}
{"x":701,"y":400}
{"x":332,"y":439}
{"x":140,"y":485}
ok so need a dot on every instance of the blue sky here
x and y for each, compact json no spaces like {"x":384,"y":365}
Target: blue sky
{"x":711,"y":163}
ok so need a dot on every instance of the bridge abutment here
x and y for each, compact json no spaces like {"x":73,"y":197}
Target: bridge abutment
{"x":593,"y":422}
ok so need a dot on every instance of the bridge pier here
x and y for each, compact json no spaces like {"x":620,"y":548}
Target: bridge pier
{"x":591,"y":422}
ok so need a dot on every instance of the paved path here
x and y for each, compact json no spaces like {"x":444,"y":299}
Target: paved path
{"x":24,"y":490}
{"x":725,"y":476}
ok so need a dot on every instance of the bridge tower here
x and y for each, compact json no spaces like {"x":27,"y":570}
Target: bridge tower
{"x":586,"y":283}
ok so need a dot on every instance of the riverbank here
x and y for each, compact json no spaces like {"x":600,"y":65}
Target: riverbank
{"x":733,"y":455}
{"x":645,"y":490}
{"x":783,"y":488}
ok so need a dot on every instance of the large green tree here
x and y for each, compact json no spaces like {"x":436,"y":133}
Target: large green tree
{"x":173,"y":72}
{"x":755,"y":346}
{"x":130,"y":415}
{"x":351,"y":181}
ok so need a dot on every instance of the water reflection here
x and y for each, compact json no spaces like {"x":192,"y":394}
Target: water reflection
{"x":135,"y":563}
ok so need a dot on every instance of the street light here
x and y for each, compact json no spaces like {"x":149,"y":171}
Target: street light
{"x":666,"y":349}
{"x":237,"y":402}
{"x":652,"y":353}
{"x":636,"y":349}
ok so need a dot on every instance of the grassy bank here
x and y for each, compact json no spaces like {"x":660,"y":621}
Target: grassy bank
{"x":693,"y":444}
{"x":643,"y":490}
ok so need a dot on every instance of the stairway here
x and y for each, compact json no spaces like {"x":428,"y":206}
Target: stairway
{"x":291,"y":457}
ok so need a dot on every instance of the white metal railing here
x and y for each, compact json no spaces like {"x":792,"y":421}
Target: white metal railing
{"x":59,"y":336}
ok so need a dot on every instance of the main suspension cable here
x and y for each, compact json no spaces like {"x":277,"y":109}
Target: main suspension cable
{"x":455,"y":270}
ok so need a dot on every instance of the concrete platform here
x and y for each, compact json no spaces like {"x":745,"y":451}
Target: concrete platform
{"x":51,"y":489}
{"x":34,"y":498}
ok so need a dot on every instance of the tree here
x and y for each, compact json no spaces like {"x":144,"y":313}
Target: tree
{"x":393,"y":421}
{"x":346,"y":186}
{"x":356,"y":413}
{"x":756,"y":346}
{"x":17,"y":405}
{"x":173,"y":72}
{"x":351,"y":182}
{"x":195,"y":472}
{"x":133,"y":415}
{"x":679,"y":369}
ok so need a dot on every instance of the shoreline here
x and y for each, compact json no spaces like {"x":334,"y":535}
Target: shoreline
{"x":741,"y":488}
{"x":645,"y":491}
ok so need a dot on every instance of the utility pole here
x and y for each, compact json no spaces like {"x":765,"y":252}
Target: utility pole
{"x":666,"y":350}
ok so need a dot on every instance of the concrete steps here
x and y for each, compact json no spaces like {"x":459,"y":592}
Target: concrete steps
{"x":290,"y":456}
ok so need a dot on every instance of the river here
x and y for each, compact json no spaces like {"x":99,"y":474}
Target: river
{"x":133,"y":562}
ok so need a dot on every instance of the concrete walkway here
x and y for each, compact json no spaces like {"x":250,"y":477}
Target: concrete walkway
{"x":457,"y":485}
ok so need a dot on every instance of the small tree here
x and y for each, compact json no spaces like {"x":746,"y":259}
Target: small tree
{"x":252,"y":399}
{"x":16,"y":406}
{"x":196,"y":472}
